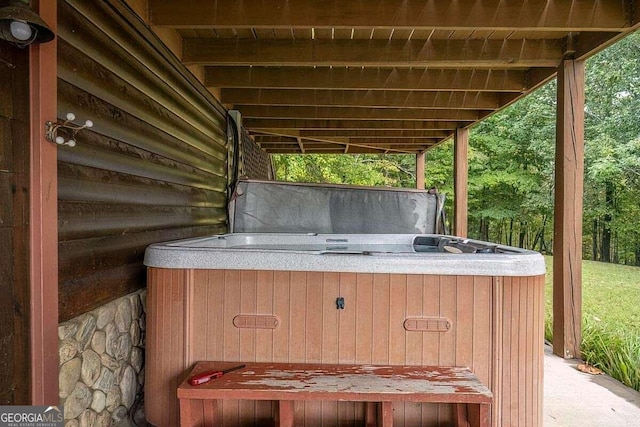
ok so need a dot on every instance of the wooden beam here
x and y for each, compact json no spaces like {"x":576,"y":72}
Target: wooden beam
{"x":536,"y":77}
{"x":266,"y":139}
{"x":420,"y":160}
{"x":557,"y":15}
{"x":359,"y":98}
{"x":43,"y":221}
{"x":306,"y":112}
{"x":460,"y":181}
{"x":567,"y":242}
{"x":336,"y":150}
{"x":588,"y":44}
{"x":437,"y":53}
{"x":350,"y":124}
{"x":370,"y":78}
{"x":376,"y":133}
{"x":318,"y":146}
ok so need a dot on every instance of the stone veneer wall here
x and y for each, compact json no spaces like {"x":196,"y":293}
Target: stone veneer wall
{"x":101,"y":363}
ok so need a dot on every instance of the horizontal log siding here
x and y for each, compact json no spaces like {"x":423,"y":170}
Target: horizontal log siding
{"x":153,"y":167}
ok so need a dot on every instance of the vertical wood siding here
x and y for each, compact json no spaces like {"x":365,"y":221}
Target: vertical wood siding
{"x":496,"y":331}
{"x":153,"y":167}
{"x":14,"y":226}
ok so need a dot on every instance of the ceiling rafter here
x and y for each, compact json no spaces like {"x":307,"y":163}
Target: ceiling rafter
{"x":426,"y":79}
{"x":344,"y":77}
{"x":467,"y":54}
{"x":354,"y":146}
{"x":358,"y":141}
{"x":309,"y":124}
{"x":310,"y":112}
{"x":355,"y":98}
{"x":534,"y":15}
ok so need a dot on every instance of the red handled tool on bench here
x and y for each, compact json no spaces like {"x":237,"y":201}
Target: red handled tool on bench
{"x":205,"y":377}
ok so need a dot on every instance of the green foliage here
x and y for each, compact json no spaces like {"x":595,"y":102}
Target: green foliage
{"x":511,"y":172}
{"x":615,"y":351}
{"x":611,"y":320}
{"x":612,"y":155}
{"x":390,"y":170}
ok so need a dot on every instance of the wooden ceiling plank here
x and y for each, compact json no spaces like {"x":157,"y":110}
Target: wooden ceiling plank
{"x":329,"y":146}
{"x":309,"y":112}
{"x":368,"y":78}
{"x":599,"y":15}
{"x":375,"y":134}
{"x":257,"y":124}
{"x":301,"y":33}
{"x":372,"y":53}
{"x":264,"y":33}
{"x":345,"y":135}
{"x":354,"y":98}
{"x":323,"y":33}
{"x":367,"y":141}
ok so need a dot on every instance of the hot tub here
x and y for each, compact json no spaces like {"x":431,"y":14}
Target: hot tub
{"x":331,"y":298}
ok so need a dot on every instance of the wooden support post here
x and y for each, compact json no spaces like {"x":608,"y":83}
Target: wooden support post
{"x":43,"y":227}
{"x":460,"y":180}
{"x":567,"y":244}
{"x":420,"y":170}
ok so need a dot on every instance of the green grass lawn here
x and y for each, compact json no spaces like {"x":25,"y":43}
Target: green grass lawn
{"x":610,"y":318}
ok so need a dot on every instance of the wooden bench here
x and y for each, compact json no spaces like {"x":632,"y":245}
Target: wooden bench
{"x":379,"y":386}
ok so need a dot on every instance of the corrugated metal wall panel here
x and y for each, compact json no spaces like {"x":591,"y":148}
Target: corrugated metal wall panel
{"x":153,"y":167}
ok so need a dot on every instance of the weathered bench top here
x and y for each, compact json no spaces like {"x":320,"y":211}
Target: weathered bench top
{"x":365,"y":383}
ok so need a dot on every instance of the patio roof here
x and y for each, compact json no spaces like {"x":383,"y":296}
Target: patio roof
{"x":387,"y":76}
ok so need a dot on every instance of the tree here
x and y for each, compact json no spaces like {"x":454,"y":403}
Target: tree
{"x":511,"y":173}
{"x":612,"y":161}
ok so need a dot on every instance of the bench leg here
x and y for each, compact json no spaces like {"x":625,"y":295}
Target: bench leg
{"x":370,"y":414}
{"x":210,"y":412}
{"x":185,"y":412}
{"x":460,"y":415}
{"x":471,"y":415}
{"x":386,"y":414}
{"x":378,"y":414}
{"x":196,"y":412}
{"x":479,"y":415}
{"x":285,"y":413}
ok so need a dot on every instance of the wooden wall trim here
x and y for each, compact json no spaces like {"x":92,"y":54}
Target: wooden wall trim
{"x":44,"y":215}
{"x":567,"y":244}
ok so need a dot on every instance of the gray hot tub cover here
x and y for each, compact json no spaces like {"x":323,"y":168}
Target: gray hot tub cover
{"x":280,"y":207}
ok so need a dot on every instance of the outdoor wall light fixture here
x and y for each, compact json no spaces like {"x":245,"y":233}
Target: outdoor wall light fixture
{"x":21,"y":26}
{"x":52,"y":130}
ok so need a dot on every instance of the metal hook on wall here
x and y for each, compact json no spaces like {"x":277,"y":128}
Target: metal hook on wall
{"x":52,"y":130}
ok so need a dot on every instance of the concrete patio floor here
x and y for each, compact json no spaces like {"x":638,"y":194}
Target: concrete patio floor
{"x":575,"y":399}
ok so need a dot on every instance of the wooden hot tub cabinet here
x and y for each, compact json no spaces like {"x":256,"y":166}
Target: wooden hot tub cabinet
{"x":492,"y":324}
{"x":496,"y":330}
